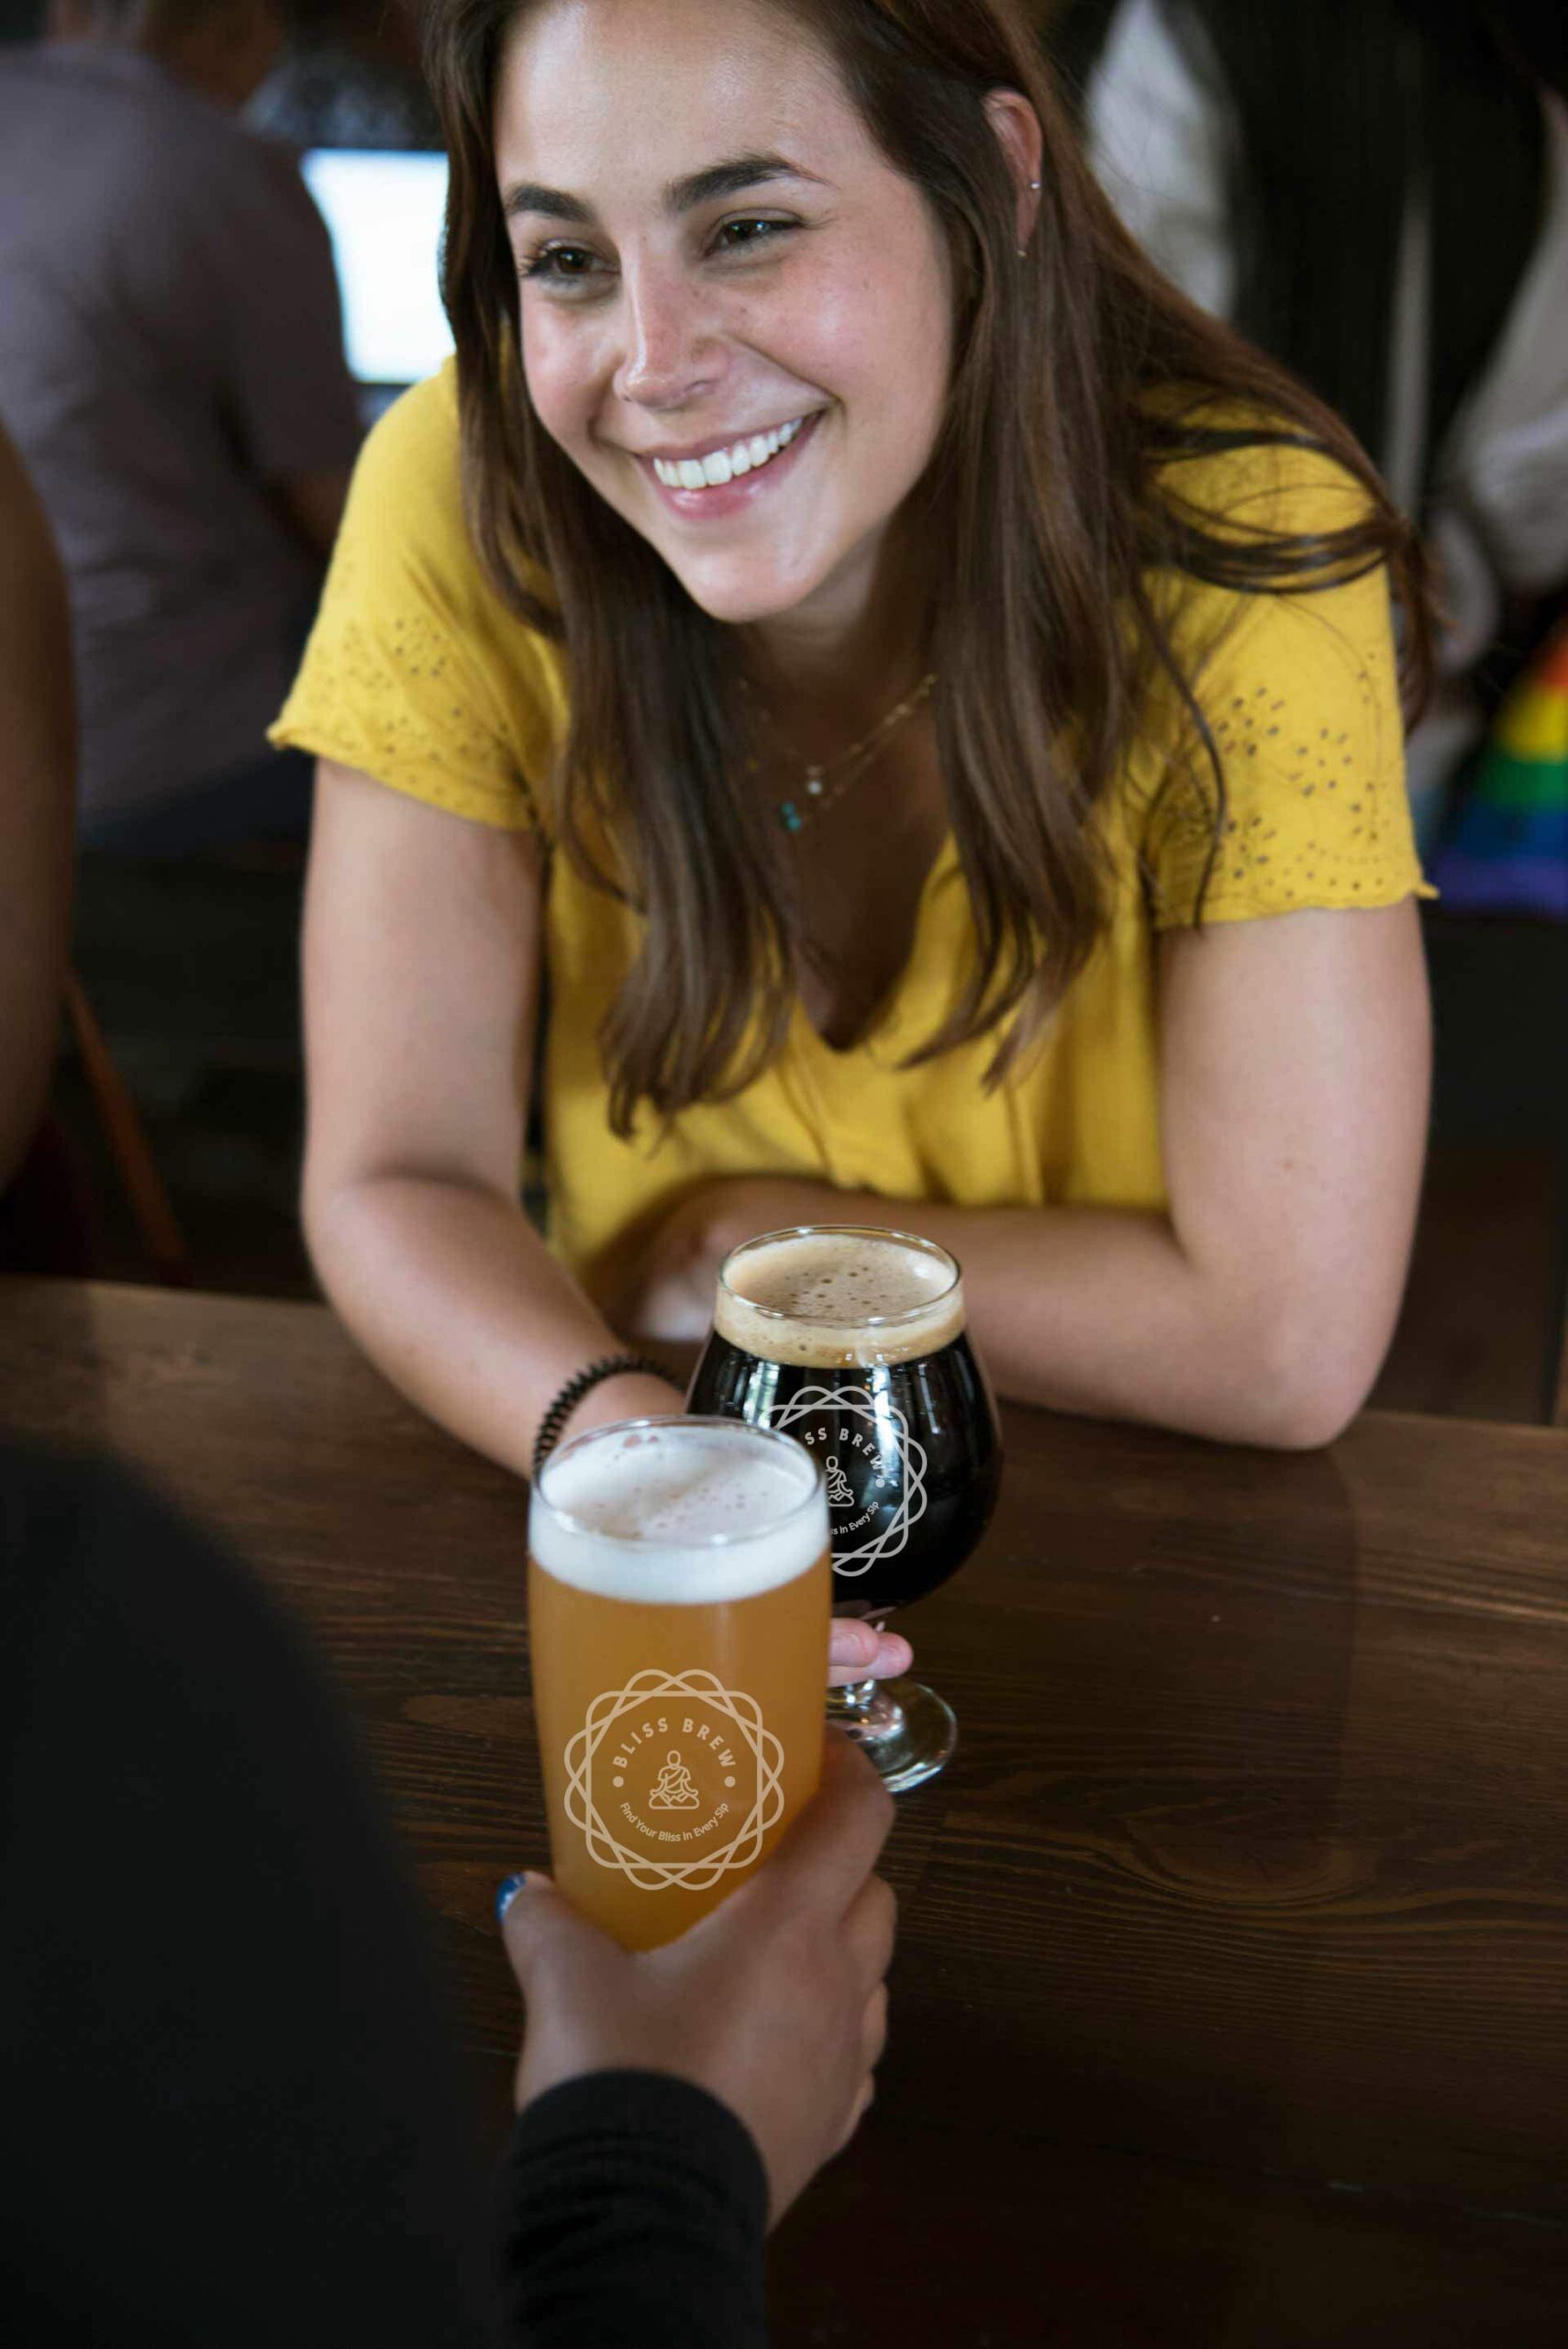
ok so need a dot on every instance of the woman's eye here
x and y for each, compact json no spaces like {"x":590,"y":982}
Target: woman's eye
{"x":575,"y":269}
{"x":746,"y":235}
{"x":565,"y":266}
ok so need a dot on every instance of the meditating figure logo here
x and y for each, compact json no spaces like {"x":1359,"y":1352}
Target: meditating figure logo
{"x":703,"y":1814}
{"x":674,"y":1790}
{"x":873,"y":1523}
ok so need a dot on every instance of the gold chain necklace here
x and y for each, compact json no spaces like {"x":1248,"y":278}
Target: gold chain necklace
{"x":824,"y":783}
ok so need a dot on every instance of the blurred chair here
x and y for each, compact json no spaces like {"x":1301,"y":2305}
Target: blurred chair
{"x":127,"y":1143}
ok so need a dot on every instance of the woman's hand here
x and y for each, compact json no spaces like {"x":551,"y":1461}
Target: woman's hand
{"x":774,"y":2003}
{"x":859,"y":1651}
{"x":667,"y":1295}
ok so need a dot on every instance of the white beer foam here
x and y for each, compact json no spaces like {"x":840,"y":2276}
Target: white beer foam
{"x":831,"y":1299}
{"x":679,"y":1515}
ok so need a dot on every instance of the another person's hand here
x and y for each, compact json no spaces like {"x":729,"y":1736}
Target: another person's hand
{"x":776,"y":2002}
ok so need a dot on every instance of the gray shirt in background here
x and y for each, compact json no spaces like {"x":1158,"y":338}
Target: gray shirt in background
{"x":170,"y":342}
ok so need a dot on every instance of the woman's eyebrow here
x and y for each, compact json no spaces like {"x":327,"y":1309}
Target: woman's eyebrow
{"x":730,"y":179}
{"x":681,"y":196}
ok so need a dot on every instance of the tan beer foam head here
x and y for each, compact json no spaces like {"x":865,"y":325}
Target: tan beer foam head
{"x":832,"y":1300}
{"x":678,"y":1512}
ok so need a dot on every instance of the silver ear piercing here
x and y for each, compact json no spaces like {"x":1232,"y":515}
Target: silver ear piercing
{"x":1034,"y":190}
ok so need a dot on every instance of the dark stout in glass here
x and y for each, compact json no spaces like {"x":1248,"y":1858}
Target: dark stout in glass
{"x":854,"y":1342}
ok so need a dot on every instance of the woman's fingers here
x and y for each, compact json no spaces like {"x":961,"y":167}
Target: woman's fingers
{"x":859,"y":1651}
{"x":851,"y":1645}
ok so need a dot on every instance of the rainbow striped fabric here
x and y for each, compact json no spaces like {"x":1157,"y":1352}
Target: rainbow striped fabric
{"x":1507,"y":850}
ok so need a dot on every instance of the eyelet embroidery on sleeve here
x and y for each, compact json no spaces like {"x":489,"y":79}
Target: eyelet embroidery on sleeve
{"x":392,"y":698}
{"x":1316,"y":813}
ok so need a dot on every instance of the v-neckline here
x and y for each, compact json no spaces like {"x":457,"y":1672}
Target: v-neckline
{"x":892,"y":1009}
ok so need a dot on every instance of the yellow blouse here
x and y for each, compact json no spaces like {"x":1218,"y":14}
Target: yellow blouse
{"x":415,"y":674}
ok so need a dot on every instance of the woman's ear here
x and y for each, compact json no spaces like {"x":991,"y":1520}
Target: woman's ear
{"x":1022,"y":142}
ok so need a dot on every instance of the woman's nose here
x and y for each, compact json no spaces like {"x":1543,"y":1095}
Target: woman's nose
{"x":672,"y":352}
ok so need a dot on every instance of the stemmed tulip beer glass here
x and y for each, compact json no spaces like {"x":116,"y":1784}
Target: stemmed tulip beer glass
{"x":853,"y":1340}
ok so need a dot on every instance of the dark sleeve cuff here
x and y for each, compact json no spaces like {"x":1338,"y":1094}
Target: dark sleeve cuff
{"x":635,"y":2208}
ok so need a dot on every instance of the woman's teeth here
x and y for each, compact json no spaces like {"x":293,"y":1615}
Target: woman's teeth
{"x":727,"y":464}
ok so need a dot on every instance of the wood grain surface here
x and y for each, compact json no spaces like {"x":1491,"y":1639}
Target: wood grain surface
{"x":1231,"y":1998}
{"x":1480,"y":1328}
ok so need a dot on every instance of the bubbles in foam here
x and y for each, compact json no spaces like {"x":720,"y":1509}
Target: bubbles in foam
{"x":823,"y":1297}
{"x":646,"y":1489}
{"x":679,"y":1513}
{"x":830,"y":1278}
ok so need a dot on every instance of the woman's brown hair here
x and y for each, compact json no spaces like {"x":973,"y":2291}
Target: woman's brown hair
{"x":1082,"y":382}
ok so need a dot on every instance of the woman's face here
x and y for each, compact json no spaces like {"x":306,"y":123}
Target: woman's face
{"x":736,"y":315}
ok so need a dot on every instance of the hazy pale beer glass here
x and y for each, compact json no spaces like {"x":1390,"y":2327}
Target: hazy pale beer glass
{"x":679,"y":1594}
{"x":855,"y":1340}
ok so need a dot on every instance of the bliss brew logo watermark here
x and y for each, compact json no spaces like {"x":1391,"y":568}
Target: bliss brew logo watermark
{"x":675,"y":1780}
{"x":876,"y":1470}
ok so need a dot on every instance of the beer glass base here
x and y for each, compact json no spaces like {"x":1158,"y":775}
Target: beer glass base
{"x":904,"y":1728}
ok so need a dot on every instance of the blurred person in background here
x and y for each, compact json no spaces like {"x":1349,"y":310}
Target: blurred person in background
{"x":36,"y":807}
{"x":1376,"y":191}
{"x":172,"y":371}
{"x":349,"y":76}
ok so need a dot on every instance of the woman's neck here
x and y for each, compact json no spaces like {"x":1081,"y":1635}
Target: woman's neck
{"x":837,"y":664}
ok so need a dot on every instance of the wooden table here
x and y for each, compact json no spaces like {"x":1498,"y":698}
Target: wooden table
{"x":1231,"y":1999}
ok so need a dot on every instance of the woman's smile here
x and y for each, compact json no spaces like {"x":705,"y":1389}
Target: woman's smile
{"x":736,"y":315}
{"x":729,"y":476}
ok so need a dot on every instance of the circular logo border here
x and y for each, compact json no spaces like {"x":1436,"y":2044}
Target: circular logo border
{"x":861,"y":1404}
{"x":658,"y":1875}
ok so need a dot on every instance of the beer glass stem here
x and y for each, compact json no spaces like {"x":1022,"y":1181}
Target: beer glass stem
{"x":854,"y":1709}
{"x":902,"y":1727}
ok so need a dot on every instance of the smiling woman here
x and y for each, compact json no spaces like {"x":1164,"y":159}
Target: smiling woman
{"x":926,"y":697}
{"x":782,"y":296}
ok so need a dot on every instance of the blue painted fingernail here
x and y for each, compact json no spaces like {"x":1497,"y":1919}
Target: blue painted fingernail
{"x":505,"y":1891}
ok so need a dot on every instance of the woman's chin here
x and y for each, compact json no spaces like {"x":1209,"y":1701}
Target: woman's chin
{"x":742,"y":595}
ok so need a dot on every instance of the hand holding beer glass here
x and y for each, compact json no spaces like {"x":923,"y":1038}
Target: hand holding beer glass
{"x":853,"y":1340}
{"x":679,"y":1597}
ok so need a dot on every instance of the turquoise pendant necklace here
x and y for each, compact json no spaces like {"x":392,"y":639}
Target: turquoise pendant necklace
{"x":824,"y":784}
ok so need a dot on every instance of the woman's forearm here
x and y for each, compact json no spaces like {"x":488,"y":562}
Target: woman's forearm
{"x":456,"y":1299}
{"x":1101,"y":1312}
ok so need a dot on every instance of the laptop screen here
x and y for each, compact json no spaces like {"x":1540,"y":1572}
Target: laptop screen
{"x":383,"y":215}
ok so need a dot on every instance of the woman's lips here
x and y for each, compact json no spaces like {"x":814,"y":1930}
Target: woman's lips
{"x":719,"y":500}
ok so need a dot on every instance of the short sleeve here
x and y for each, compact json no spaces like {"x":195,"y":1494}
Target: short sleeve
{"x":287,"y":381}
{"x":1300,"y":692}
{"x":416,"y":672}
